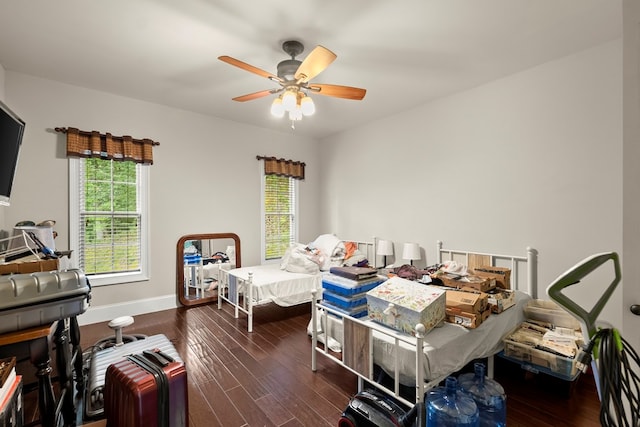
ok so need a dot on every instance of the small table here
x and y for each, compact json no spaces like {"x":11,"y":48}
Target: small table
{"x":35,"y":343}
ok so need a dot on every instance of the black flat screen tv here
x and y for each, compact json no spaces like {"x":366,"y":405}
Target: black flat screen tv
{"x":11,"y":131}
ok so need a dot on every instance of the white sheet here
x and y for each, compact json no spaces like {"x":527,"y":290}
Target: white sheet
{"x":447,"y":348}
{"x":271,"y":284}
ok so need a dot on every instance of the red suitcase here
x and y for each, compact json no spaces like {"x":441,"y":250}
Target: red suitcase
{"x":148,"y":389}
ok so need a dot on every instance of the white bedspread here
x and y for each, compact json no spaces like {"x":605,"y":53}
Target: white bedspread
{"x":271,"y":284}
{"x":447,"y":348}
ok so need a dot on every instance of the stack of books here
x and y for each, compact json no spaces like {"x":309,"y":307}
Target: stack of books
{"x":344,"y":289}
{"x":10,"y":394}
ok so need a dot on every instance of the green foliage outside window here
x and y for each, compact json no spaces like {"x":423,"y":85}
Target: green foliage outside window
{"x":279,"y":207}
{"x":110,"y":218}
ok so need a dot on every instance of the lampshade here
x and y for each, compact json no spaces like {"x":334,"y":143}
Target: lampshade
{"x":277,"y":109}
{"x":385,"y":247}
{"x":295,"y":114}
{"x":307,"y":106}
{"x":411,"y":251}
{"x":289,"y":100}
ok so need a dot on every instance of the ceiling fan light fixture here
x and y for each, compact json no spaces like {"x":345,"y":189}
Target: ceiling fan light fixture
{"x":289,"y":100}
{"x":294,"y":78}
{"x":277,"y":109}
{"x":307,"y":106}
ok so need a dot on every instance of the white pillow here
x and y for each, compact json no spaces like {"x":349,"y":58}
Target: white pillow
{"x":328,"y":244}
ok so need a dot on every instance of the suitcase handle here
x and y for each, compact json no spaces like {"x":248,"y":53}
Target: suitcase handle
{"x":158,"y":357}
{"x":162,"y":385}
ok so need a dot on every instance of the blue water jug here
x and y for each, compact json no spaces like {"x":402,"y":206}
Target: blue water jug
{"x":449,"y":406}
{"x":488,"y":395}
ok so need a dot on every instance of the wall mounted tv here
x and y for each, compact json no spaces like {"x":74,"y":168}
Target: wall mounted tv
{"x":11,"y":131}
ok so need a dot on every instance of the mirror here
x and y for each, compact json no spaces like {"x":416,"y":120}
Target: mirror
{"x":198,"y":260}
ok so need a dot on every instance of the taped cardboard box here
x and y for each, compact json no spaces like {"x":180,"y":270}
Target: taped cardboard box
{"x":501,"y":299}
{"x":468,"y":320}
{"x":24,"y":267}
{"x":469,"y":302}
{"x":477,"y":283}
{"x":502,"y":275}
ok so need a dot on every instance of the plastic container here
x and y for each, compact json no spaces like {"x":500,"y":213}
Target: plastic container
{"x":488,"y":395}
{"x":550,"y":312}
{"x":449,"y":406}
{"x":345,"y":302}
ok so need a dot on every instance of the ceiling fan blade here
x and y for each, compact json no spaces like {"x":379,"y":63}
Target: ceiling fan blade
{"x":250,"y":68}
{"x":319,"y":59}
{"x":255,"y":95}
{"x":338,"y":91}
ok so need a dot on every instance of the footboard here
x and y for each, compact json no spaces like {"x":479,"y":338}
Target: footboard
{"x":238,"y":293}
{"x":358,"y":350}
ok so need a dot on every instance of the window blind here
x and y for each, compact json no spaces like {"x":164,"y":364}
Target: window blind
{"x":279,"y":208}
{"x":109,"y":217}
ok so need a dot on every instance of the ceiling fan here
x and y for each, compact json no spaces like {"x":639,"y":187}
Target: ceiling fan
{"x":294,"y":78}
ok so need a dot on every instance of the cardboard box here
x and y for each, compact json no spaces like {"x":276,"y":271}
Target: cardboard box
{"x":468,"y":320}
{"x":501,"y":299}
{"x":402,"y":304}
{"x":477,"y":283}
{"x":502,"y":275}
{"x":469,"y":302}
{"x":23,"y":267}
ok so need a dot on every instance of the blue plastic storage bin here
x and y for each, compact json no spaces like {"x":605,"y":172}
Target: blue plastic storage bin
{"x":347,"y":287}
{"x":343,"y":301}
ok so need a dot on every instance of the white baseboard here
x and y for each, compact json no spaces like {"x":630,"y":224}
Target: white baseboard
{"x":104,"y":313}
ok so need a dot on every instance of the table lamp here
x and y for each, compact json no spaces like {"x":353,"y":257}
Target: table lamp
{"x":411,"y":251}
{"x":385,"y":248}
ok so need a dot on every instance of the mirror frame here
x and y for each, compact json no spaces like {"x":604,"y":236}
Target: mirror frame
{"x":180,"y":264}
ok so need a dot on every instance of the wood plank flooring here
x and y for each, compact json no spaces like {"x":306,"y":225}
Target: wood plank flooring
{"x":264,"y":378}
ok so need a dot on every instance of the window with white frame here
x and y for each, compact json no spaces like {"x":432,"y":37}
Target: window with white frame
{"x":109,"y":219}
{"x":279,"y":210}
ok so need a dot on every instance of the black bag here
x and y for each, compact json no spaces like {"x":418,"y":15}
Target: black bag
{"x":372,"y":408}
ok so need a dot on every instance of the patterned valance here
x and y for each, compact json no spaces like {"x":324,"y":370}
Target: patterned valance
{"x":282,"y":167}
{"x":106,"y":146}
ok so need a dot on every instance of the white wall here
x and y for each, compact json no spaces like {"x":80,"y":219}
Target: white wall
{"x":534,"y":159}
{"x":631,"y":268}
{"x":2,"y":73}
{"x":205,"y":177}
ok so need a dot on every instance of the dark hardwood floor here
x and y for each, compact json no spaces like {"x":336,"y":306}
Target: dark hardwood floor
{"x":264,"y":378}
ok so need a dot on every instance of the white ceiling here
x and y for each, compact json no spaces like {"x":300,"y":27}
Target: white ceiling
{"x":404,"y":52}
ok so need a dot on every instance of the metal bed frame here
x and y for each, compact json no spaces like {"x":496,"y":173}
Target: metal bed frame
{"x":243,"y":296}
{"x":360,"y":360}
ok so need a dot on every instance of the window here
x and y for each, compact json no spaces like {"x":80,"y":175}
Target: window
{"x":108,"y":223}
{"x":279,"y":208}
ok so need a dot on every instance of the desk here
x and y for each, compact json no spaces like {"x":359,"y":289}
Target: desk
{"x":36,"y":343}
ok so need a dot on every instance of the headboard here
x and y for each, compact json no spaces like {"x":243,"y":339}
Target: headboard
{"x":524,"y":269}
{"x":369,"y":249}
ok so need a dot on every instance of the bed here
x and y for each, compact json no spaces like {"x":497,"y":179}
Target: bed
{"x":292,"y":281}
{"x":445,"y":350}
